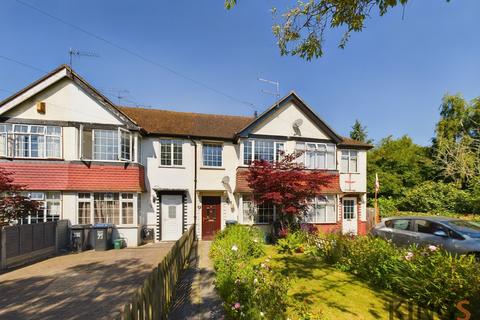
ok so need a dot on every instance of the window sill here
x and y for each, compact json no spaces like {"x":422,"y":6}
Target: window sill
{"x":350,"y":173}
{"x":211,"y":168}
{"x":173,"y":167}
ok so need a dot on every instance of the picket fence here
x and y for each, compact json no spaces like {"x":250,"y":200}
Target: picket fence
{"x":153,"y":299}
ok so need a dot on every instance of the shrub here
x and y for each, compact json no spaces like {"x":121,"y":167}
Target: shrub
{"x":293,"y":242}
{"x":387,"y":207}
{"x":436,"y":197}
{"x":249,"y":290}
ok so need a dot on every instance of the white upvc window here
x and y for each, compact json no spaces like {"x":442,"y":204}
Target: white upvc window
{"x":269,"y":150}
{"x":258,"y":214}
{"x":171,"y":153}
{"x":212,"y":154}
{"x":106,"y":207}
{"x":316,"y":155}
{"x":322,"y":210}
{"x":49,"y":207}
{"x":349,"y":161}
{"x":112,"y":145}
{"x":30,"y":141}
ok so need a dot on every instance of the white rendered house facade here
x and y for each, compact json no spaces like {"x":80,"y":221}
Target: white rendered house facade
{"x":91,"y":161}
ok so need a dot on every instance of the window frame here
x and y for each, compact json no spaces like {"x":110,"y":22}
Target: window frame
{"x":171,"y":143}
{"x":348,"y":157}
{"x":303,"y":158}
{"x":121,"y":199}
{"x":209,"y":143}
{"x":326,"y":201}
{"x":44,"y":200}
{"x":277,"y":156}
{"x":252,"y":213}
{"x":9,"y":135}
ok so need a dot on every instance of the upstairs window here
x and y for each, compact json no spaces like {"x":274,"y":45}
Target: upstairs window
{"x":349,"y":161}
{"x":316,"y":155}
{"x":108,"y":145}
{"x":30,"y":141}
{"x":254,"y":150}
{"x":212,"y":154}
{"x":171,"y":152}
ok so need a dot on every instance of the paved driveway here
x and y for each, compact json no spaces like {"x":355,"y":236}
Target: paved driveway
{"x":88,"y":285}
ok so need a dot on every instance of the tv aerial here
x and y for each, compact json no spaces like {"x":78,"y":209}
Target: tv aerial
{"x":79,"y":53}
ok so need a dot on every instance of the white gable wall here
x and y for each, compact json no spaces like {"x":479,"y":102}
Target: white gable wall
{"x":65,"y":101}
{"x":280,"y":124}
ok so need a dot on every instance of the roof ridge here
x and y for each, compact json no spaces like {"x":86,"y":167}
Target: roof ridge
{"x":185,"y":112}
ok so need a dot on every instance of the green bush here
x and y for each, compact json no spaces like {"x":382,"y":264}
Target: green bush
{"x":293,"y":242}
{"x":249,"y":290}
{"x":428,"y":276}
{"x":436,"y":197}
{"x":387,"y":207}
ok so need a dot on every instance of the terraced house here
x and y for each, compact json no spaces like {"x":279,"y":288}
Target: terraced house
{"x":91,"y":161}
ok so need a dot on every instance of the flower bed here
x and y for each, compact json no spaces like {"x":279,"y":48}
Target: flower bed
{"x":249,"y":289}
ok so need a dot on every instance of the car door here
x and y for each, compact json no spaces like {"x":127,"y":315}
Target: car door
{"x":426,"y":236}
{"x":403,"y":235}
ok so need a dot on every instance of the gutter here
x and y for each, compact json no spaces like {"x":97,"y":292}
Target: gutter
{"x":194,"y":184}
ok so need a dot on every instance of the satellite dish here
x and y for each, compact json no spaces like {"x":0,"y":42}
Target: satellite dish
{"x":226,"y":180}
{"x":297,"y":123}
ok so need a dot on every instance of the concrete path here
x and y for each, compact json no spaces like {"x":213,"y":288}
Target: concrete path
{"x":195,"y":296}
{"x":88,"y":285}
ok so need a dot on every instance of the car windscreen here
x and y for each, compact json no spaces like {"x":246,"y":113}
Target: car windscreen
{"x":469,"y":228}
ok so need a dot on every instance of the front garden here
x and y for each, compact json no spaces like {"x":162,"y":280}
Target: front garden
{"x":312,"y":276}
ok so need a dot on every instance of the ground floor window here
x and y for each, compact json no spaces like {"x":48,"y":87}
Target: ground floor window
{"x":258,"y":214}
{"x":101,"y":207}
{"x":49,"y":207}
{"x":323,"y":210}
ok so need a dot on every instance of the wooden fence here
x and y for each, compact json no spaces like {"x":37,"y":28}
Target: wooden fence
{"x":21,"y":244}
{"x":153,"y":299}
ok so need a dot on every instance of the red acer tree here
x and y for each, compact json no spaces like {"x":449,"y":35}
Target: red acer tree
{"x":287,"y":184}
{"x":14,"y":205}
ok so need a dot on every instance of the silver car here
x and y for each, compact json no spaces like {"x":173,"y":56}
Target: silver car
{"x":454,"y":235}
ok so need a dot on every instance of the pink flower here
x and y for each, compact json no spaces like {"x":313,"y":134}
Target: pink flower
{"x":237,"y":305}
{"x":432,"y":248}
{"x":409,"y":256}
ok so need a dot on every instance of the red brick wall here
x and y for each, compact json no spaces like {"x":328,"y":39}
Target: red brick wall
{"x":76,"y":176}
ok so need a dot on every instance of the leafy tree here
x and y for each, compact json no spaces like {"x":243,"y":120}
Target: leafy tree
{"x":301,"y":29}
{"x":359,"y":132}
{"x":400,"y":164}
{"x":13,"y":204}
{"x":286,"y":184}
{"x":457,"y":140}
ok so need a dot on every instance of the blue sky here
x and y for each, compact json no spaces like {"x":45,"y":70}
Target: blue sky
{"x":391,"y":76}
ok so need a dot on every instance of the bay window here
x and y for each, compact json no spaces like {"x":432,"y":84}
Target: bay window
{"x":115,"y":208}
{"x":349,"y":161}
{"x":171,"y":152}
{"x":316,"y":155}
{"x":108,"y":145}
{"x":322,"y":210}
{"x":269,"y":150}
{"x":258,"y":214}
{"x":30,"y":141}
{"x":49,"y":207}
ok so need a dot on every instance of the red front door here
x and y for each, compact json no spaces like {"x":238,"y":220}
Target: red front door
{"x":210,"y":217}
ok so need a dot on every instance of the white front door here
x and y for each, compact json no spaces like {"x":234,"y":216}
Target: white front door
{"x":171,"y":217}
{"x":350,"y":215}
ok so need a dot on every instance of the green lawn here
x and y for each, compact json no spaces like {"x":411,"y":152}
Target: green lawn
{"x":327,"y":293}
